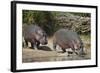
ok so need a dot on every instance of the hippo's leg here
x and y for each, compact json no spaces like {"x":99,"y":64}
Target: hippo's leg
{"x":37,"y":45}
{"x":26,"y":43}
{"x":32,"y":45}
{"x":64,"y":50}
{"x":74,"y":51}
{"x":81,"y":52}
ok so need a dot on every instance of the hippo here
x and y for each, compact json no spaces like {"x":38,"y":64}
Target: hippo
{"x":35,"y":35}
{"x":68,"y":39}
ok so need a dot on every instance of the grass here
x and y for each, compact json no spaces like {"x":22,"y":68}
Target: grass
{"x":86,"y":40}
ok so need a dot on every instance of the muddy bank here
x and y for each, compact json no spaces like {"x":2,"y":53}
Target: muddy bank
{"x":46,"y":53}
{"x":43,"y":55}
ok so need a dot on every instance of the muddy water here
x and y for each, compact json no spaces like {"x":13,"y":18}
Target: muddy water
{"x":30,"y":55}
{"x":46,"y":59}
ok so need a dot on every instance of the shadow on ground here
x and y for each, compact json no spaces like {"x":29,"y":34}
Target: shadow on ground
{"x":45,"y":48}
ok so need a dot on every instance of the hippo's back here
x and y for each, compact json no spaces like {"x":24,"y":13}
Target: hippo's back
{"x":28,"y":30}
{"x":67,"y":38}
{"x":66,"y":34}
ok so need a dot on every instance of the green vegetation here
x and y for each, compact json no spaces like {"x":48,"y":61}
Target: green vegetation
{"x":52,"y":21}
{"x":86,"y":40}
{"x":44,"y":19}
{"x":82,"y":14}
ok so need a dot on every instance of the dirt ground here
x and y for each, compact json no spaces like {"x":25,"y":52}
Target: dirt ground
{"x":46,"y":53}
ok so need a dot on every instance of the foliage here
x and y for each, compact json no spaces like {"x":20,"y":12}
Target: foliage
{"x":51,"y":21}
{"x":44,"y":19}
{"x":82,"y":14}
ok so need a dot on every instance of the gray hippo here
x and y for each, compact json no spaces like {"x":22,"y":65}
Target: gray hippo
{"x":35,"y":35}
{"x":67,"y":39}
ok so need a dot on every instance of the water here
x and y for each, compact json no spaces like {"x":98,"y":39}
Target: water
{"x":30,"y":55}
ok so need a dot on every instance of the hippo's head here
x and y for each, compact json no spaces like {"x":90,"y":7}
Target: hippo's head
{"x":41,"y":36}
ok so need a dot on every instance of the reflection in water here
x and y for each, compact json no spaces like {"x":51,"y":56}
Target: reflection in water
{"x":61,"y":58}
{"x":45,"y":54}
